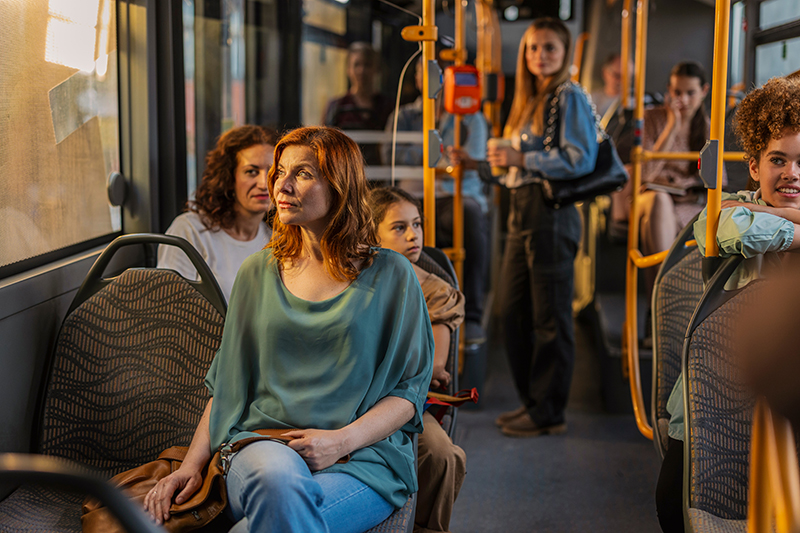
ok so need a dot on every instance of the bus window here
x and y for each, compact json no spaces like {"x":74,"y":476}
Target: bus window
{"x":777,"y":59}
{"x":59,"y":138}
{"x":776,"y":12}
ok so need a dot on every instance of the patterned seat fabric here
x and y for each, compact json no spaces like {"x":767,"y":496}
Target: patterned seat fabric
{"x":720,"y":414}
{"x":126,"y":383}
{"x":675,"y":299}
{"x":703,"y":522}
{"x":400,"y":521}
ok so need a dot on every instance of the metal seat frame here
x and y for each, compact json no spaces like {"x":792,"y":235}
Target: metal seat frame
{"x":668,"y":347}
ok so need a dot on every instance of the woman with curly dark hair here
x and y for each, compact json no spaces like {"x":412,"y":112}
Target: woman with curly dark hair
{"x":226,"y":222}
{"x":754,"y":223}
{"x":328,"y":338}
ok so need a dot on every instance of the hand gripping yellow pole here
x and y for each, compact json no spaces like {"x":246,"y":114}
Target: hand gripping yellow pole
{"x":427,"y":34}
{"x":631,"y":344}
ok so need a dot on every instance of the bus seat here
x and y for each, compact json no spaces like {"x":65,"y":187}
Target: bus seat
{"x":703,"y":522}
{"x":678,"y":287}
{"x":25,"y":468}
{"x":435,"y":261}
{"x":125,"y":380}
{"x":718,"y":409}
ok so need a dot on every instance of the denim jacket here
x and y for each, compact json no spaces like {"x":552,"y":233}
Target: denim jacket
{"x":575,"y":152}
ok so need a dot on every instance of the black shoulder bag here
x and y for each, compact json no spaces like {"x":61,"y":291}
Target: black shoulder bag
{"x":608,"y":175}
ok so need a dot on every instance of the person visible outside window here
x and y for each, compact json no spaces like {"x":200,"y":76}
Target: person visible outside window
{"x":362,"y":108}
{"x":313,"y":344}
{"x":226,"y":221}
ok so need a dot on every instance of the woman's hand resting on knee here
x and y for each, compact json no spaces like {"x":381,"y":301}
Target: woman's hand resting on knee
{"x":158,"y":501}
{"x":319,"y":448}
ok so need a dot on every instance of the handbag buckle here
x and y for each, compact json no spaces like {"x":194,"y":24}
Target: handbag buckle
{"x":226,"y":453}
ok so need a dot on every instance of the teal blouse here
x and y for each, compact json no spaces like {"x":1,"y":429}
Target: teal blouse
{"x":285,"y":362}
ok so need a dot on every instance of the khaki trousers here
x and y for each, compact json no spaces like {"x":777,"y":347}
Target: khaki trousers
{"x":442,"y":467}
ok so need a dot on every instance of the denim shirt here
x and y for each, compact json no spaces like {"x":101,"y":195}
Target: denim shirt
{"x":575,"y":152}
{"x":477,"y":133}
{"x":742,"y":231}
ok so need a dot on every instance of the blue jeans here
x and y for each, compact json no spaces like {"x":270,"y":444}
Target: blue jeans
{"x":270,"y":488}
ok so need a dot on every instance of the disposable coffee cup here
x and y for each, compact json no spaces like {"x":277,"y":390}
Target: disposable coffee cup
{"x":494,"y":143}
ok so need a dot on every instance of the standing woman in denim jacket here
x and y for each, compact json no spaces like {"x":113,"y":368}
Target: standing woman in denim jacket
{"x":536,"y":282}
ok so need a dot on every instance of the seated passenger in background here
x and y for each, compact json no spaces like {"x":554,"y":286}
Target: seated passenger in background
{"x":607,"y":95}
{"x":672,"y":190}
{"x":441,"y":464}
{"x":752,"y":223}
{"x":313,"y":344}
{"x":226,"y":221}
{"x":474,"y":134}
{"x":362,"y":108}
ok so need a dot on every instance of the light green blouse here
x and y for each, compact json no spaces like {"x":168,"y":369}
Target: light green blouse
{"x":285,"y":362}
{"x":740,"y":231}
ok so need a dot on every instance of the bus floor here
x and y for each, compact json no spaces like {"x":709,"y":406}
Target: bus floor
{"x":598,"y":476}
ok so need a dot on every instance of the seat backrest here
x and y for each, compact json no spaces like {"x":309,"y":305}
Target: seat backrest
{"x":126,"y":377}
{"x":675,"y":296}
{"x":718,"y":408}
{"x":431,"y":260}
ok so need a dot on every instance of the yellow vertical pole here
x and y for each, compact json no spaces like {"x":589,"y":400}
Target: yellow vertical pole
{"x":719,"y":85}
{"x":458,"y":175}
{"x":488,"y":57}
{"x":577,"y":58}
{"x":631,"y":286}
{"x":428,"y":124}
{"x":625,"y":53}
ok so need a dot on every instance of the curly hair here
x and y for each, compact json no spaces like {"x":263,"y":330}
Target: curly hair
{"x":766,"y":113}
{"x":349,"y":237}
{"x":382,"y":198}
{"x":216,"y":196}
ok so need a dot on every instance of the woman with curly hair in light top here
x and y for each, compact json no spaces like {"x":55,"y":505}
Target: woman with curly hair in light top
{"x":226,"y":221}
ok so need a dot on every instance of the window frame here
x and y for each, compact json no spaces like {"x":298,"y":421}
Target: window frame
{"x":756,"y":37}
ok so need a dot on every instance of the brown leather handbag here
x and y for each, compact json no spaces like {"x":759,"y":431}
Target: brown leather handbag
{"x":204,"y":505}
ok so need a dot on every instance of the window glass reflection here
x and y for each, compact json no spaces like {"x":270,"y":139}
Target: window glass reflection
{"x":59,"y":141}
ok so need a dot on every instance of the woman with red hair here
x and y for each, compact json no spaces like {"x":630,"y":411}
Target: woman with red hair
{"x":328,"y":337}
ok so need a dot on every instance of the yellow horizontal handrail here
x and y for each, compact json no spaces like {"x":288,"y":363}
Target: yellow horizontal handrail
{"x":647,"y":261}
{"x":688,"y":156}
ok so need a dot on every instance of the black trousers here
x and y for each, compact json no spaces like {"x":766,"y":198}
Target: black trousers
{"x":476,"y":248}
{"x":535,"y":295}
{"x":669,"y":491}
